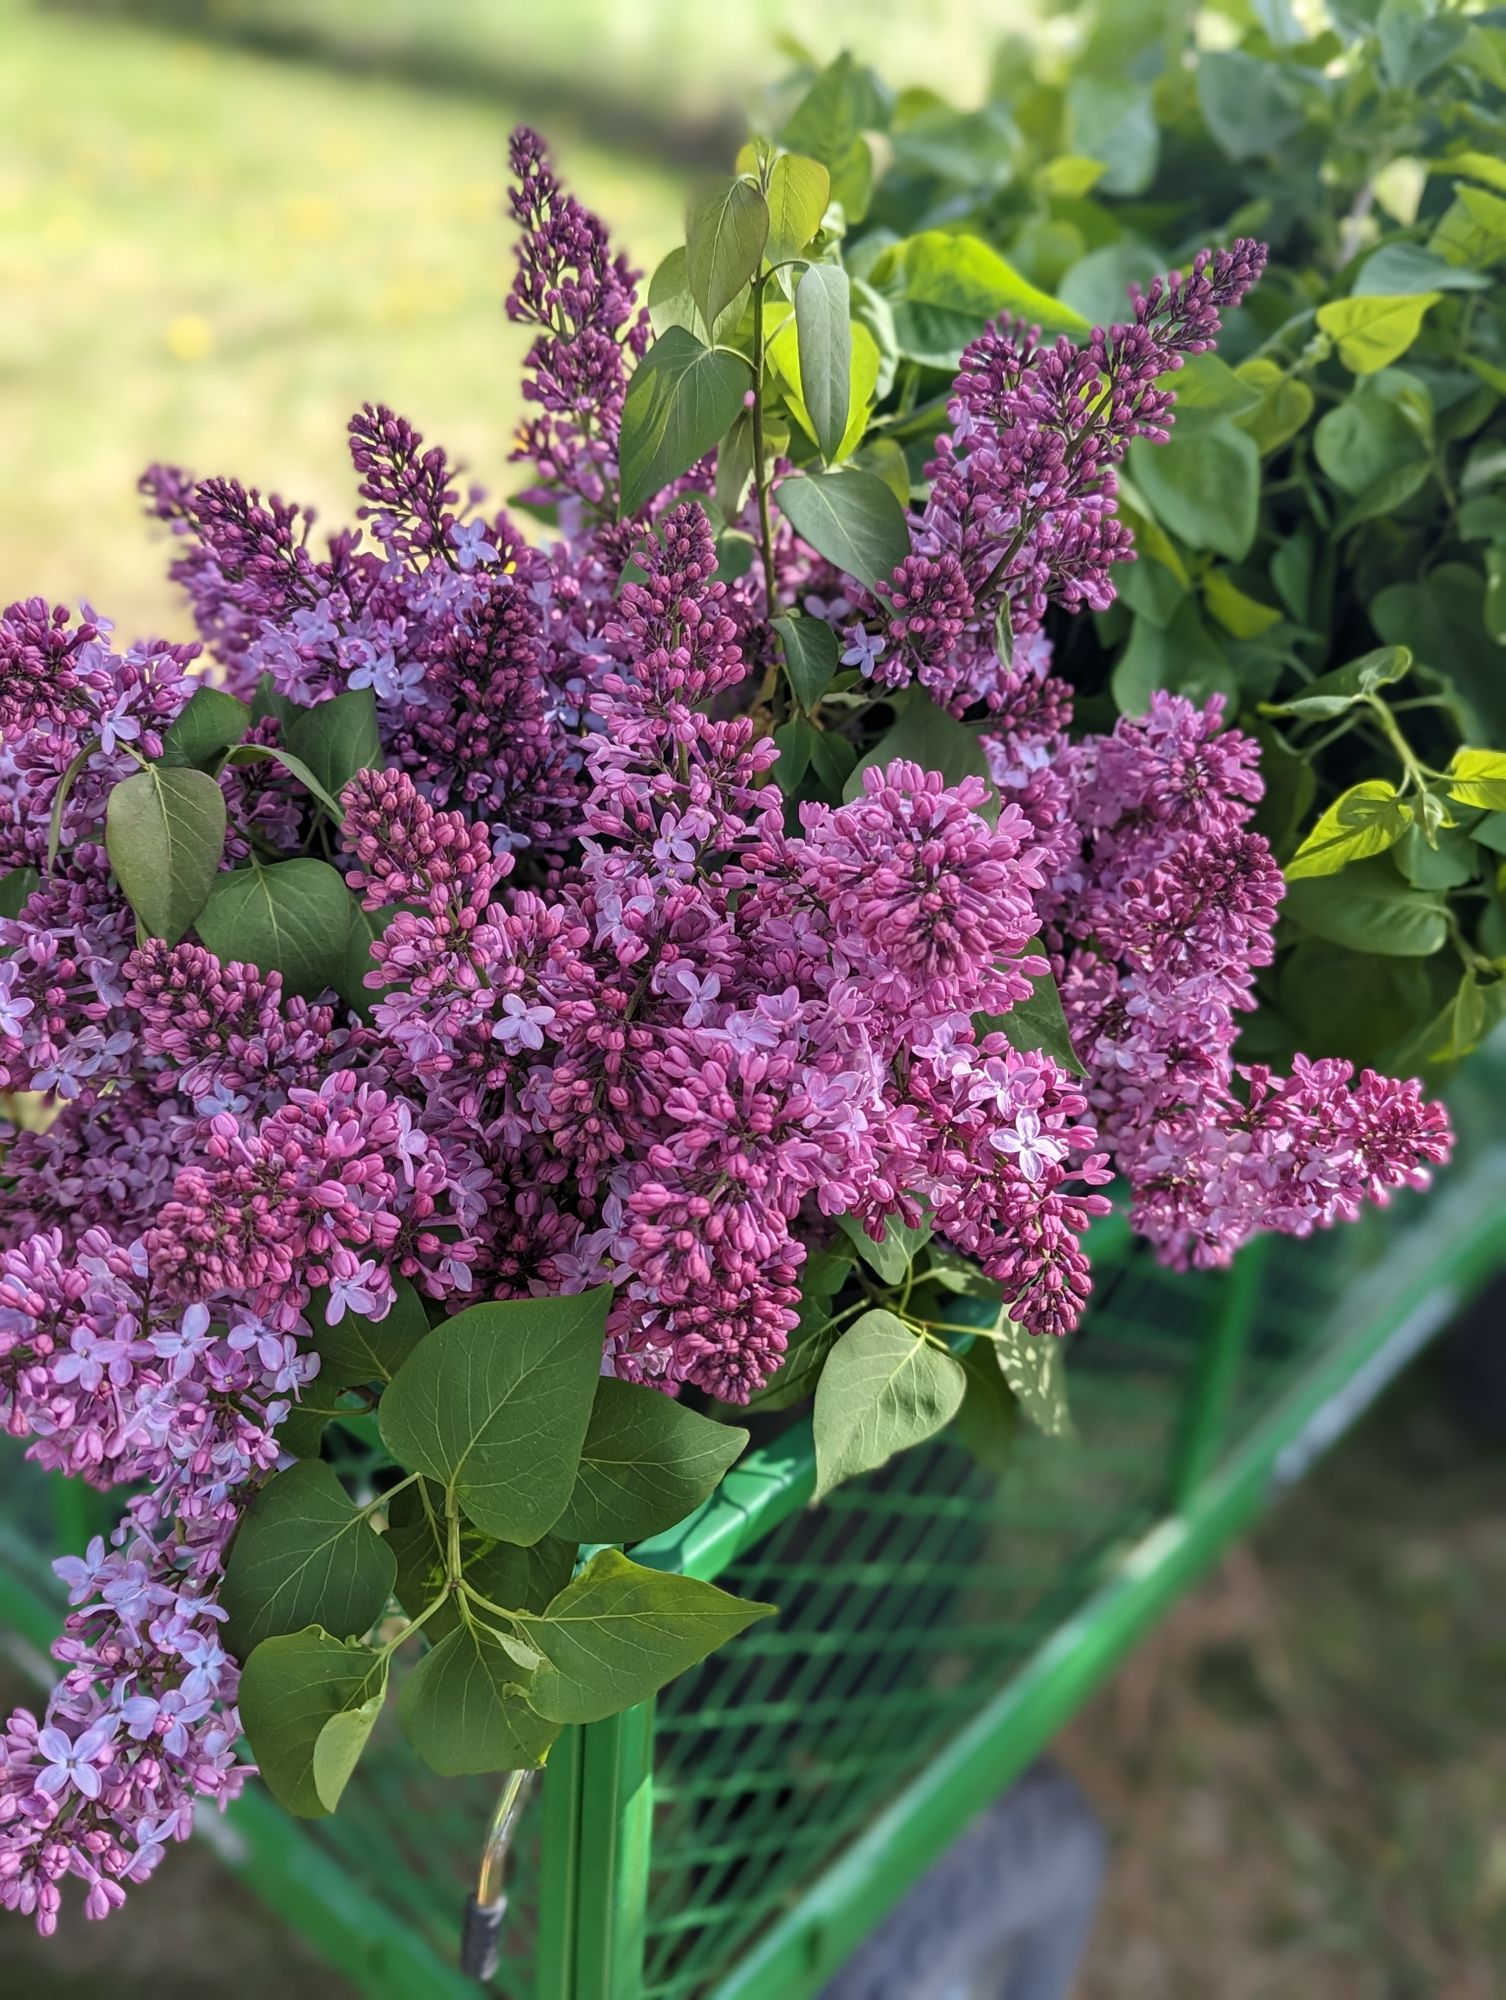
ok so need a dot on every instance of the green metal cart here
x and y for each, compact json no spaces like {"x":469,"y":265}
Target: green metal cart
{"x":737,"y":1839}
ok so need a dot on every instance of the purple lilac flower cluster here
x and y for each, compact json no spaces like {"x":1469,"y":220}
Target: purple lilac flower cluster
{"x":1161,"y":909}
{"x":1021,"y":507}
{"x":629,"y":1021}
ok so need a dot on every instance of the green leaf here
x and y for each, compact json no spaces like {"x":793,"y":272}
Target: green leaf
{"x":1367,"y":819}
{"x":831,"y":760}
{"x":1478,"y":778}
{"x":1369,"y":439}
{"x":1332,"y":693}
{"x":273,"y":753}
{"x":1033,"y":1366}
{"x":464,"y":1712}
{"x":671,"y":302}
{"x":1290,"y":788}
{"x":360,"y":1350}
{"x":1241,"y":616}
{"x":494,"y":1405}
{"x":797,"y":1375}
{"x":164,"y":834}
{"x":17,"y":887}
{"x":862,"y":382}
{"x":337,"y":738}
{"x":810,"y":656}
{"x":516,"y":1578}
{"x":886,"y":460}
{"x":1369,"y":908}
{"x":843,"y":102}
{"x":291,"y":917}
{"x":955,"y":1273}
{"x":1415,"y":40}
{"x":924,"y":733}
{"x":1286,"y":403}
{"x":1376,"y":329}
{"x":794,"y":739}
{"x":209,"y":723}
{"x":338,"y":1746}
{"x":1472,"y":231}
{"x":1205,"y":488}
{"x":989,"y":1415}
{"x":1407,"y":267}
{"x":646,"y":1463}
{"x":850,"y":517}
{"x":1096,"y":286}
{"x":292,"y":1689}
{"x":1114,"y":119}
{"x":945,"y":289}
{"x":682,"y":400}
{"x":882,"y":1390}
{"x":799,"y":191}
{"x":823,"y":325}
{"x":1183,"y":658}
{"x":1441,"y":617}
{"x":301,"y":1431}
{"x":890,"y":1258}
{"x":303,"y":1555}
{"x":1252,"y":108}
{"x":1037,"y":1023}
{"x":1208,"y":391}
{"x":724,"y":243}
{"x":357,"y":961}
{"x":618,"y":1632}
{"x":1448,"y":861}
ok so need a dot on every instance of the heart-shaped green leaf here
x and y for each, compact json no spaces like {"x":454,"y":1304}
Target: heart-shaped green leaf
{"x":303,"y":1555}
{"x":850,"y":517}
{"x":464,"y":1709}
{"x":494,"y":1405}
{"x":646,"y":1462}
{"x":292,"y":1690}
{"x":165,"y":833}
{"x":291,"y":917}
{"x":618,"y":1632}
{"x":882,"y":1390}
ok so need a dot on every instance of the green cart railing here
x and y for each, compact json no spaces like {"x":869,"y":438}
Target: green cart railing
{"x":738,"y":1838}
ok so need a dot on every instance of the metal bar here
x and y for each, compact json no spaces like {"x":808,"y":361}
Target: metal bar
{"x":755,"y":1496}
{"x":375,"y":1947}
{"x":617,"y":1798}
{"x":1392,"y":1315}
{"x":1205,"y":1412}
{"x":559,"y":1866}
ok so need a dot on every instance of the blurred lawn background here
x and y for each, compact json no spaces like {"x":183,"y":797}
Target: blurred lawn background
{"x":221,"y":232}
{"x":222,"y":227}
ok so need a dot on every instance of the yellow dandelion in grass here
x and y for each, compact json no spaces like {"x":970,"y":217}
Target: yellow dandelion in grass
{"x":189,"y":337}
{"x":311,"y":218}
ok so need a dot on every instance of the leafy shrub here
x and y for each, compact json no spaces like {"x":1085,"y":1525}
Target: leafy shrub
{"x":1324,"y":541}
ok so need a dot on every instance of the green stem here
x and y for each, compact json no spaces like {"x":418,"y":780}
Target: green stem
{"x":384,"y":1499}
{"x":760,"y":469}
{"x":413,"y":1625}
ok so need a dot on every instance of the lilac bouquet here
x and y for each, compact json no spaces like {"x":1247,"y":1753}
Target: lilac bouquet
{"x":510,"y":983}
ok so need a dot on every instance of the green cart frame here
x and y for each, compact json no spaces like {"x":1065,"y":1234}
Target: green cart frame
{"x":739,"y":1838}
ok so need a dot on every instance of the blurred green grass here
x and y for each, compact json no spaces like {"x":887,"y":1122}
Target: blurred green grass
{"x":211,"y":257}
